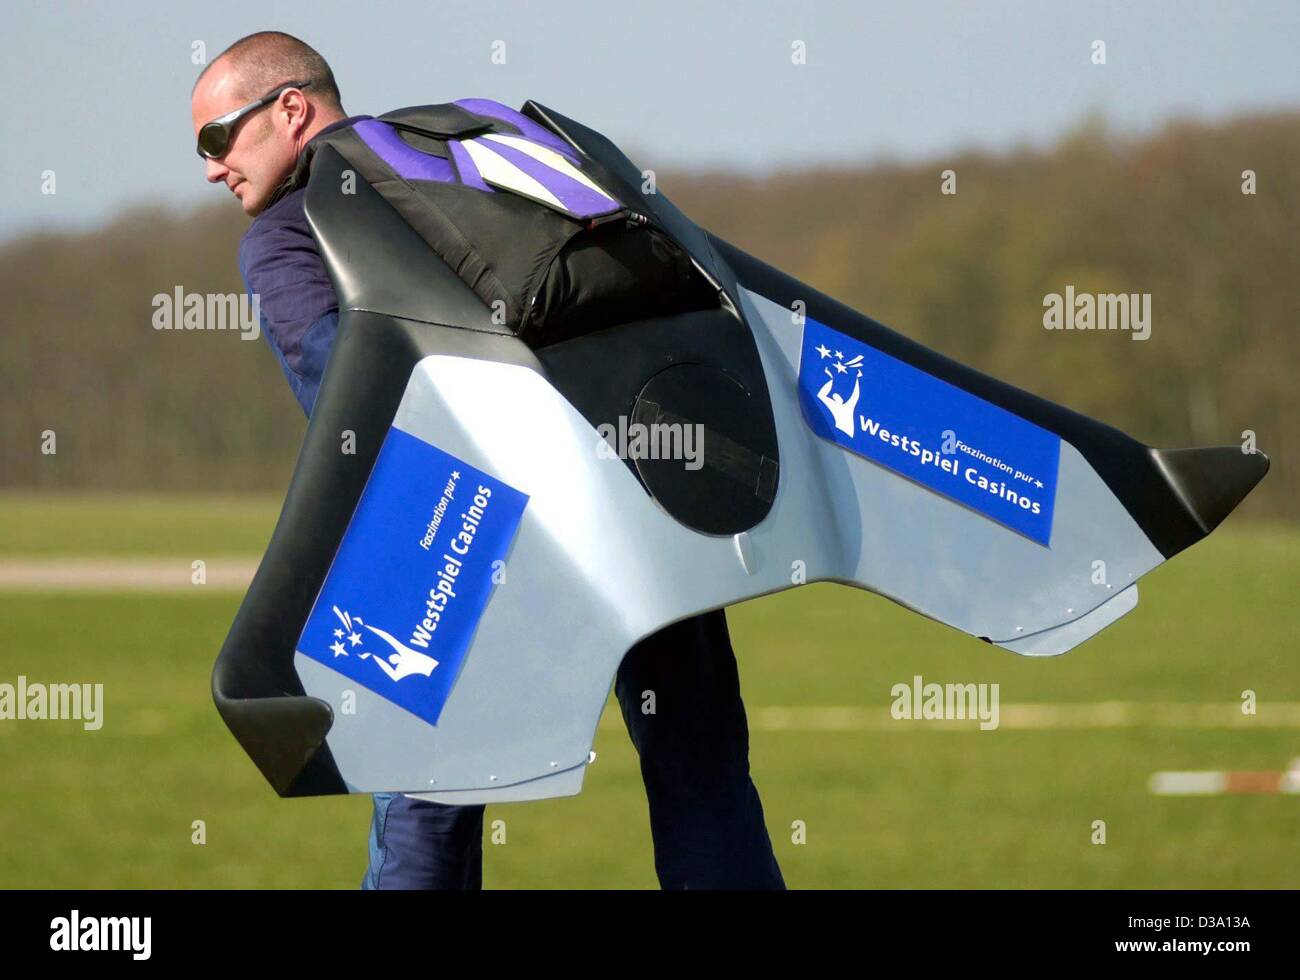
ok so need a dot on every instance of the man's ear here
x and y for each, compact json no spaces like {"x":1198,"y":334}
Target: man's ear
{"x":296,"y":109}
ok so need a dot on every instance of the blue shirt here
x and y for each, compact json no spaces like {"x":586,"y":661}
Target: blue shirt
{"x":279,"y":262}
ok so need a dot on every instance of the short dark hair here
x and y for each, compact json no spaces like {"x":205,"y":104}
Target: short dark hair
{"x":267,"y":59}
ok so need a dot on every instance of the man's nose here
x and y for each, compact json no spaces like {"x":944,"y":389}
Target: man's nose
{"x":216,"y":171}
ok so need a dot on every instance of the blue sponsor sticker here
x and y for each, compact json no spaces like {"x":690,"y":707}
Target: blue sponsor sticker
{"x":935,"y":433}
{"x":413,"y":574}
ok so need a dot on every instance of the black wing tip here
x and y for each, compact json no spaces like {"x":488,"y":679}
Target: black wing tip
{"x":1211,"y":481}
{"x":284,"y":736}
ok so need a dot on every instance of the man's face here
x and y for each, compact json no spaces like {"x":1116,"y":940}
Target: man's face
{"x":264,"y":146}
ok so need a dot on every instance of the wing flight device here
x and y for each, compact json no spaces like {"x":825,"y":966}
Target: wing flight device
{"x":478,"y":529}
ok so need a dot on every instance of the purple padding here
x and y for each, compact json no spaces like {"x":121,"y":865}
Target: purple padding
{"x":527,"y":127}
{"x":406,"y":161}
{"x":469,"y":175}
{"x":577,"y":198}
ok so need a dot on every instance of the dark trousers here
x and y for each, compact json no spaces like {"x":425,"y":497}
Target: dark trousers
{"x":705,"y":816}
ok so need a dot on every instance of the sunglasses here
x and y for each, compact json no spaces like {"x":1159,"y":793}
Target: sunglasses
{"x":215,"y":136}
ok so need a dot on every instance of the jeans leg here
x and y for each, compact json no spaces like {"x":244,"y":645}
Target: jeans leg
{"x":418,"y":844}
{"x":705,"y":815}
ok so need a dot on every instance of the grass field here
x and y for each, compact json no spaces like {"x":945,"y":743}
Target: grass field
{"x":902,"y":806}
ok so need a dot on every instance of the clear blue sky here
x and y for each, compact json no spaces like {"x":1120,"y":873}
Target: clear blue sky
{"x":99,"y":92}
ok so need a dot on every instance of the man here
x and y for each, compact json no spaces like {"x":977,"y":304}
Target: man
{"x":270,"y":95}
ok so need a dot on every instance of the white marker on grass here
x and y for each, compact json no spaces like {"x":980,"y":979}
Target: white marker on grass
{"x":1227,"y":783}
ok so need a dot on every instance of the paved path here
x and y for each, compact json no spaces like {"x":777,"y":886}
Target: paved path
{"x":233,"y":574}
{"x":222,"y":574}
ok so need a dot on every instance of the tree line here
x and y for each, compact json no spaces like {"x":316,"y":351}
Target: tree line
{"x":963,"y":253}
